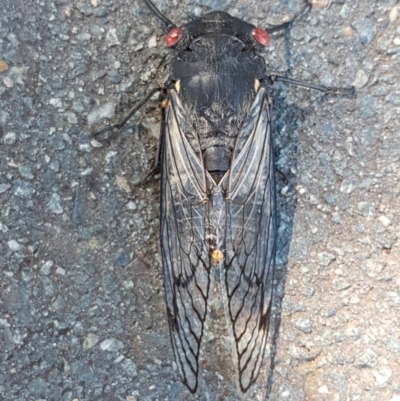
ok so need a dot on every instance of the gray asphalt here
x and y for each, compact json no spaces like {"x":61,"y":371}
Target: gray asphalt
{"x":81,"y":300}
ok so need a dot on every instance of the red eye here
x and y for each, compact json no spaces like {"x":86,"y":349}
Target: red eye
{"x":261,"y":36}
{"x":173,"y":37}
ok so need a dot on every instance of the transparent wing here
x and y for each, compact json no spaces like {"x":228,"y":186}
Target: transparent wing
{"x":250,"y":240}
{"x":185,"y":255}
{"x":247,"y":229}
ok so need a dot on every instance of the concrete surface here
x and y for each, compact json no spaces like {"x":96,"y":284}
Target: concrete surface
{"x":81,"y":299}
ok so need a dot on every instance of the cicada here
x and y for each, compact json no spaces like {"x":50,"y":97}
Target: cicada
{"x":218,"y":194}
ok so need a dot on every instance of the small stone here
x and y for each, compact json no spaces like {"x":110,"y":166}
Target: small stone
{"x":145,"y":76}
{"x":54,"y":204}
{"x":101,"y":12}
{"x":56,"y":102}
{"x":303,"y":354}
{"x":55,"y":166}
{"x":111,"y":344}
{"x":114,"y":76}
{"x":367,"y":359}
{"x":98,"y":74}
{"x":385,"y":221}
{"x":129,"y":367}
{"x":341,"y":284}
{"x":301,"y":190}
{"x":10,"y":138}
{"x":394,"y":98}
{"x":308,"y":292}
{"x":60,"y":271}
{"x":121,"y":258}
{"x":336,"y":217}
{"x":84,"y":37}
{"x":78,"y":208}
{"x":331,"y":199}
{"x":348,"y":185}
{"x":106,"y":110}
{"x":14,"y":245}
{"x":350,"y":146}
{"x":3,"y":66}
{"x":152,"y":42}
{"x":84,"y":148}
{"x":366,"y":209}
{"x":112,"y":38}
{"x":118,"y":359}
{"x":95,"y":144}
{"x":304,"y":325}
{"x":319,"y":3}
{"x":393,"y":14}
{"x":4,"y":188}
{"x":25,"y":172}
{"x":298,"y":34}
{"x":123,"y":184}
{"x":323,"y":390}
{"x":23,"y":189}
{"x":4,"y":323}
{"x":361,"y":79}
{"x":366,"y":30}
{"x":131,"y":205}
{"x":372,"y":268}
{"x":366,"y":183}
{"x":385,"y":41}
{"x":128,"y":284}
{"x":348,"y":31}
{"x":72,"y":118}
{"x":80,"y":70}
{"x":46,"y":268}
{"x":382,"y":376}
{"x":37,"y":386}
{"x":8,"y":82}
{"x":325,"y":259}
{"x":353,"y":332}
{"x":59,"y":303}
{"x":87,"y":171}
{"x":90,"y":341}
{"x":13,"y":38}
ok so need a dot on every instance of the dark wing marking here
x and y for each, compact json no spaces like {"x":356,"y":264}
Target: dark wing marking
{"x":185,"y":255}
{"x":250,"y":240}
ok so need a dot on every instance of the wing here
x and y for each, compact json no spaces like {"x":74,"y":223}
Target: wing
{"x":250,"y":240}
{"x":185,"y":255}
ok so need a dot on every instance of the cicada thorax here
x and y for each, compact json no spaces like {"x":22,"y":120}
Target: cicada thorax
{"x":218,"y":93}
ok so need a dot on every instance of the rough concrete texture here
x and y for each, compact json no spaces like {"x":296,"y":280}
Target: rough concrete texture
{"x":81,"y":297}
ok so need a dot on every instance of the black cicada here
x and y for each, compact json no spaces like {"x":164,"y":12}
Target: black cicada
{"x":218,"y":215}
